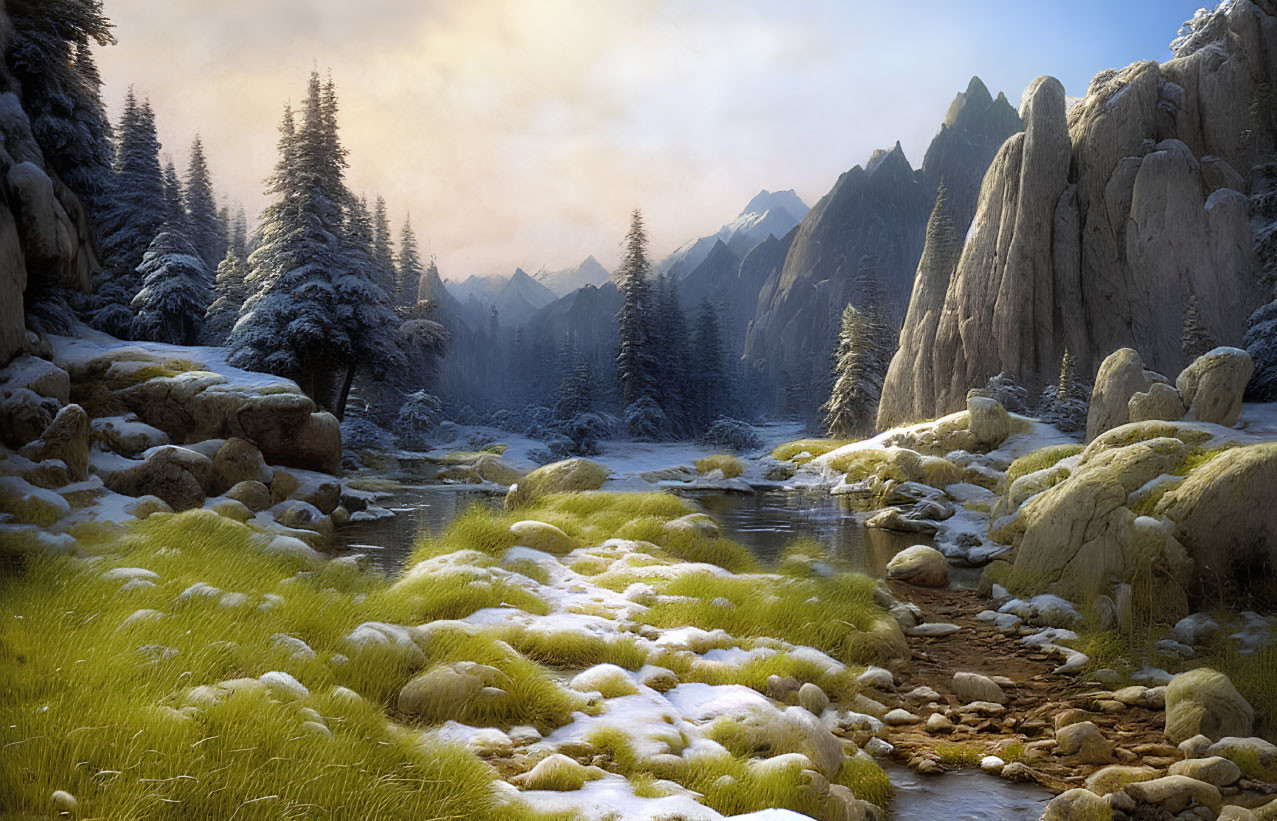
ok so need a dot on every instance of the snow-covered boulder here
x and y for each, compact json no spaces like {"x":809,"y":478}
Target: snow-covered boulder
{"x":67,"y":439}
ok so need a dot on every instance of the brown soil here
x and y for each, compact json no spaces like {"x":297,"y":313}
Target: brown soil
{"x":1039,"y":695}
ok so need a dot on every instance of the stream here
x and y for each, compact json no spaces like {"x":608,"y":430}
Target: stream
{"x":764,"y":522}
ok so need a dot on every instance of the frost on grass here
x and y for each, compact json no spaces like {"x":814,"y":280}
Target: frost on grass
{"x":254,"y":673}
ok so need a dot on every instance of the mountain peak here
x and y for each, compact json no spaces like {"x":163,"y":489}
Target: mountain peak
{"x":881,"y":157}
{"x":765,"y":201}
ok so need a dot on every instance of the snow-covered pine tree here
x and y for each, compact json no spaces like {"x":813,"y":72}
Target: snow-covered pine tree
{"x":364,"y":309}
{"x":1195,"y":340}
{"x":383,"y":251}
{"x":231,"y":291}
{"x":203,"y":225}
{"x":237,"y":233}
{"x":51,"y":58}
{"x":635,"y":362}
{"x":408,"y":268}
{"x":170,"y":306}
{"x":710,"y":385}
{"x":133,"y":215}
{"x":174,"y":208}
{"x":289,"y":326}
{"x":851,"y":405}
{"x":575,"y":394}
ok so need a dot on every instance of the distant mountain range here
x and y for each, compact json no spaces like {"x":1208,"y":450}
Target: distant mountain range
{"x":562,"y":283}
{"x":768,"y":214}
{"x":516,"y":298}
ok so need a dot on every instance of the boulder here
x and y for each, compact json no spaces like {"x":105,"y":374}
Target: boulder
{"x":1212,"y":386}
{"x":126,"y":435}
{"x":238,"y":460}
{"x":557,"y":772}
{"x":28,"y":504}
{"x":1223,"y":512}
{"x":988,"y":421}
{"x":542,"y":536}
{"x":317,"y":489}
{"x":252,"y":494}
{"x":1258,"y":756}
{"x":812,"y":699}
{"x":1116,"y":776}
{"x":1077,"y":805}
{"x":1204,"y":701}
{"x":1214,"y":770}
{"x":1160,"y":401}
{"x":37,"y":375}
{"x":24,"y":415}
{"x":919,"y":565}
{"x":177,"y":475}
{"x":66,"y":438}
{"x":570,"y":475}
{"x":1121,"y":377}
{"x":447,"y":691}
{"x":1175,"y":793}
{"x":1084,"y":742}
{"x":969,"y":687}
{"x":288,"y":431}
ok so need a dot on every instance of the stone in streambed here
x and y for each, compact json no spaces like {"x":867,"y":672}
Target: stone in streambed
{"x":919,"y":565}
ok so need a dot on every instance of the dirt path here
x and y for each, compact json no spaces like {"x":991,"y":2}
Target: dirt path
{"x":1037,"y":697}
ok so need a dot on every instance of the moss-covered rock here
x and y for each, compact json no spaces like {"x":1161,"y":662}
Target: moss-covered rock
{"x":1205,"y":702}
{"x":559,"y":477}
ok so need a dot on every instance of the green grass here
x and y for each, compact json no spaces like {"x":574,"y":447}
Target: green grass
{"x":836,"y":615}
{"x":590,"y":518}
{"x":1253,"y":674}
{"x":790,"y":451}
{"x":728,"y":464}
{"x":83,"y":710}
{"x":954,"y":754}
{"x":731,"y":786}
{"x":1040,"y":460}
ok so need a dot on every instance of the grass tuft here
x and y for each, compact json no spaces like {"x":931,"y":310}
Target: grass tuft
{"x":1040,"y":460}
{"x":727,"y":463}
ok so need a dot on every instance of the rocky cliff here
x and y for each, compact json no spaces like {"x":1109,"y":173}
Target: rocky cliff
{"x":46,"y":240}
{"x":879,"y":210}
{"x":1097,"y":224}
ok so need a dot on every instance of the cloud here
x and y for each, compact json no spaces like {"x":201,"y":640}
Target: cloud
{"x":522,"y":132}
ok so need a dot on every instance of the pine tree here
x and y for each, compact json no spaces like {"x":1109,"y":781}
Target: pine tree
{"x":289,"y":326}
{"x":50,"y":56}
{"x":364,"y":309}
{"x":635,"y":362}
{"x":204,"y":226}
{"x":237,"y":234}
{"x":174,"y":296}
{"x":575,"y":394}
{"x":408,"y":268}
{"x":231,"y":292}
{"x":1195,"y":340}
{"x":1068,"y":384}
{"x":383,"y":245}
{"x":711,"y":385}
{"x":132,"y":216}
{"x":174,"y":209}
{"x":849,"y":408}
{"x":671,"y":360}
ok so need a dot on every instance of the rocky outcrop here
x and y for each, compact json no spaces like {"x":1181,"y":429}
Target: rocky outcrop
{"x":45,"y":237}
{"x":1098,"y":224}
{"x":878,"y":211}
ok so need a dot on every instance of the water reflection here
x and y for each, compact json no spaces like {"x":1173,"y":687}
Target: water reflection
{"x":965,"y":795}
{"x":767,"y":521}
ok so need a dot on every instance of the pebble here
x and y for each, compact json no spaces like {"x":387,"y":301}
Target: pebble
{"x":939,"y":724}
{"x":899,"y":717}
{"x":992,"y":764}
{"x":933,"y":630}
{"x":64,"y":801}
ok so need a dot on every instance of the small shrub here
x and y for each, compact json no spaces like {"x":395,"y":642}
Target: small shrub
{"x":792,"y":451}
{"x":728,"y":464}
{"x":958,"y":755}
{"x":732,"y":434}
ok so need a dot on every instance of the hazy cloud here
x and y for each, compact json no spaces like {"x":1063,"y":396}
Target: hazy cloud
{"x":521,"y":132}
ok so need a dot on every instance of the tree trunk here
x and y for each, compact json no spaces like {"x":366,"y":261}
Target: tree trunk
{"x":347,"y":380}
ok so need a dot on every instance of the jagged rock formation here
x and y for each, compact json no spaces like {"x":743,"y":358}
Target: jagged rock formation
{"x":1097,"y":224}
{"x":768,"y":214}
{"x":46,"y":240}
{"x":880,"y":211}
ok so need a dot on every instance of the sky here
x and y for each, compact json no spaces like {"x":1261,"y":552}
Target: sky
{"x":523,"y":132}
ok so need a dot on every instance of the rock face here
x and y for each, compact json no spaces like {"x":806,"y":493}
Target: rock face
{"x":1097,"y":224}
{"x":45,"y":238}
{"x":880,"y":209}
